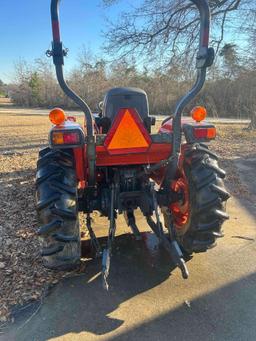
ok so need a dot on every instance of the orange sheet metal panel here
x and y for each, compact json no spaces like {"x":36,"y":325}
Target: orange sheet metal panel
{"x":154,"y":154}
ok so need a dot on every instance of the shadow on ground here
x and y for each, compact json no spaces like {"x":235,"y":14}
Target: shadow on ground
{"x":136,"y":267}
{"x":225,"y":314}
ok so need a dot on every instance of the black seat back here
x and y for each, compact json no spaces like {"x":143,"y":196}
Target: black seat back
{"x":118,"y":98}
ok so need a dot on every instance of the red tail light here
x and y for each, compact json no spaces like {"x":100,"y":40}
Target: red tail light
{"x":205,"y":133}
{"x":127,"y":134}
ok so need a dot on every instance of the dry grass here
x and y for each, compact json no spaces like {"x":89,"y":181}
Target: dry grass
{"x":5,"y":100}
{"x":238,"y":141}
{"x":22,"y":276}
{"x":235,"y":142}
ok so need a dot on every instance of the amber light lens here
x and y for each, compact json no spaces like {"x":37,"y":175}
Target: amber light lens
{"x":57,"y":138}
{"x":198,"y":114}
{"x":211,"y":133}
{"x":57,"y":116}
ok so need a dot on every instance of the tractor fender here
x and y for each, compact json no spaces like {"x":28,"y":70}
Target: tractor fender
{"x":188,"y":128}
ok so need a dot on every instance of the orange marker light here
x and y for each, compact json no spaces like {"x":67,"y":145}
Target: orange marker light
{"x":198,"y":114}
{"x":57,"y":116}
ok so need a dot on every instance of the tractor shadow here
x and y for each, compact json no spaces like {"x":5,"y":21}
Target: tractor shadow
{"x":226,"y":314}
{"x":136,"y":267}
{"x":80,"y":305}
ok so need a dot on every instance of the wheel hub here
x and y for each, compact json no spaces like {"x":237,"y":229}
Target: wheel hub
{"x":180,"y":209}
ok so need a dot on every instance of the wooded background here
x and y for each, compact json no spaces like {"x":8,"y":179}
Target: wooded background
{"x":154,"y":47}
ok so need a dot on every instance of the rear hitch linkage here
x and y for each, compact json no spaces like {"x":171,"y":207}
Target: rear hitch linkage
{"x":94,"y":241}
{"x":111,"y":235}
{"x":169,"y":242}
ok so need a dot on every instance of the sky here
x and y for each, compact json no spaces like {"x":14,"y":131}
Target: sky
{"x":25,"y":29}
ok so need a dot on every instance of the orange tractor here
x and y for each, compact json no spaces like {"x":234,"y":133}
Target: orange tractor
{"x":115,"y":165}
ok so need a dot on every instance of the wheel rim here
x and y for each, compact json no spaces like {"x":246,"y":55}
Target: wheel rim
{"x":181,"y":209}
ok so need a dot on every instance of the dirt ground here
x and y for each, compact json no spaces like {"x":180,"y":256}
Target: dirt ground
{"x":23,"y":278}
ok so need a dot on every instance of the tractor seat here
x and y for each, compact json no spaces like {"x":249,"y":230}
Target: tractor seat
{"x":118,"y":98}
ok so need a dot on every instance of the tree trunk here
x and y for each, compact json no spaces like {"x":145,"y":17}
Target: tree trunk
{"x":252,"y":124}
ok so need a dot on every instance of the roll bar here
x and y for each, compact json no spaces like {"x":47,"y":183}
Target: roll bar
{"x":58,"y":58}
{"x":58,"y":54}
{"x":205,"y":57}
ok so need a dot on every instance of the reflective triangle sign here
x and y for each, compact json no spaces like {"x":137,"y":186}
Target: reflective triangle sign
{"x":127,"y":134}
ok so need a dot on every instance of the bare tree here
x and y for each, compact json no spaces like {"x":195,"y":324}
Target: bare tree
{"x":231,"y":65}
{"x":160,"y":30}
{"x":2,"y":88}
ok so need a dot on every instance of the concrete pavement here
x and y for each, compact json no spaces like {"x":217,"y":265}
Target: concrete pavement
{"x":148,"y":300}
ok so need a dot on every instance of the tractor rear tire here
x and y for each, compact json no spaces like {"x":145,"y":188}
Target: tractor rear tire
{"x":207,"y":198}
{"x":56,"y":202}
